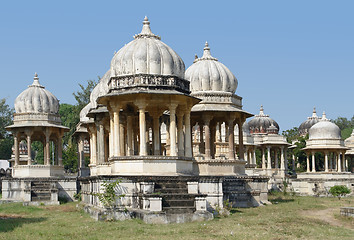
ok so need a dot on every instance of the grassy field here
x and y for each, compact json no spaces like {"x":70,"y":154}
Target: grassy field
{"x":287,"y":218}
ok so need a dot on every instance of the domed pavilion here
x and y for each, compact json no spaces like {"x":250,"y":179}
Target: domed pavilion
{"x":325,"y":137}
{"x":265,"y":132}
{"x":37,"y":118}
{"x":213,"y":83}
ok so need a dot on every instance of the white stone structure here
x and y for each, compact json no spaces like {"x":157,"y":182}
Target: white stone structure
{"x":325,"y":137}
{"x":36,"y":118}
{"x":265,"y":132}
{"x":220,"y":109}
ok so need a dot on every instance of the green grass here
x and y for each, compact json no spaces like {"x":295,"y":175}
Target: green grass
{"x":284,"y":219}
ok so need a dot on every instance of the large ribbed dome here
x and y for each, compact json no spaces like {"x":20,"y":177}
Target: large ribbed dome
{"x":306,"y":125}
{"x":36,"y":99}
{"x":324,"y":130}
{"x":147,"y":54}
{"x":208,"y":74}
{"x":261,"y":122}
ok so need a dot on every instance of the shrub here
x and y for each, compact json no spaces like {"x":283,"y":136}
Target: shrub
{"x":339,"y":191}
{"x":109,"y":196}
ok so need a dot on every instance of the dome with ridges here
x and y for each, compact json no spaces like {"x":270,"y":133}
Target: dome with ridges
{"x":306,"y":125}
{"x":36,"y":99}
{"x":208,"y":74}
{"x":324,"y":129}
{"x":261,"y":122}
{"x":147,"y":54}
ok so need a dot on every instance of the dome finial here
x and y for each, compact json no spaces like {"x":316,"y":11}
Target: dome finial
{"x":36,"y":80}
{"x":324,"y":117}
{"x":146,"y":31}
{"x":206,"y":53}
{"x":314,"y":115}
{"x":261,"y":110}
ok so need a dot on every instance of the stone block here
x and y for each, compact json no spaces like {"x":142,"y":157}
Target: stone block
{"x":200,"y":204}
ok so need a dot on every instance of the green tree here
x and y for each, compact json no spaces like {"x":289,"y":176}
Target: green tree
{"x":70,"y":117}
{"x":291,"y":134}
{"x":346,"y":126}
{"x":6,"y":140}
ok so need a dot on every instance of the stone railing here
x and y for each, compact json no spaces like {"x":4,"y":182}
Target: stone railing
{"x":148,"y":82}
{"x":218,"y":97}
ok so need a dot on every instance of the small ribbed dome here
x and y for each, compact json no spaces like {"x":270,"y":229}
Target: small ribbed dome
{"x":147,"y":54}
{"x":261,"y":122}
{"x":36,"y":99}
{"x":305,"y":126}
{"x":208,"y":74}
{"x":324,"y":129}
{"x":100,"y":89}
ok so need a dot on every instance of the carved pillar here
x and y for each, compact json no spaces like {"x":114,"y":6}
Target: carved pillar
{"x":100,"y":142}
{"x":188,"y":134}
{"x":201,"y":136}
{"x":254,"y":157}
{"x":121,"y":140}
{"x":263,"y":159}
{"x":29,"y":148}
{"x":313,"y":162}
{"x":156,"y":131}
{"x":173,"y":107}
{"x":326,"y":161}
{"x":246,"y":156}
{"x":17,"y":154}
{"x":81,"y":151}
{"x":231,"y":139}
{"x":276,"y":161}
{"x":282,"y":158}
{"x":269,"y":160}
{"x":307,"y":162}
{"x":47,"y":147}
{"x":116,"y":130}
{"x":111,"y":134}
{"x":180,"y":133}
{"x":94,"y":145}
{"x":142,"y":127}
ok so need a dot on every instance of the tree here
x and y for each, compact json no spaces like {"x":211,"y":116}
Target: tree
{"x":291,"y":134}
{"x":345,"y":125}
{"x":6,"y":140}
{"x":70,"y":117}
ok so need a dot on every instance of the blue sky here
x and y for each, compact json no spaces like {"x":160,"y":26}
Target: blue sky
{"x":287,"y":55}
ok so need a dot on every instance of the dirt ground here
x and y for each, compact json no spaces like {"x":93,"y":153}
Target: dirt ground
{"x":328,"y":216}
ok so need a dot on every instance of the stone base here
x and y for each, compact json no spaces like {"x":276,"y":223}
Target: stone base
{"x":40,"y":171}
{"x":104,"y":214}
{"x":318,"y":184}
{"x":219,"y":167}
{"x":151,"y":165}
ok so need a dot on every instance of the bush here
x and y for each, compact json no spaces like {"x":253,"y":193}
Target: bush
{"x":339,"y":191}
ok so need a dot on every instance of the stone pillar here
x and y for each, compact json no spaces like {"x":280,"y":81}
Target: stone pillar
{"x":100,"y":142}
{"x":276,"y":161}
{"x":81,"y":151}
{"x":17,"y":153}
{"x":250,"y":160}
{"x":330,"y":163}
{"x":240,"y":138}
{"x":254,"y":157}
{"x":47,"y":146}
{"x":307,"y":162}
{"x":142,"y":128}
{"x":180,"y":133}
{"x":263,"y":159}
{"x":111,"y":135}
{"x":188,"y":134}
{"x":339,"y":165}
{"x":326,"y":161}
{"x":343,"y":162}
{"x":116,"y":131}
{"x":206,"y":120}
{"x":282,"y":159}
{"x":29,"y":149}
{"x":313,"y":162}
{"x":130,"y":150}
{"x":231,"y":139}
{"x":94,"y":146}
{"x":293,"y":165}
{"x":173,"y":107}
{"x":246,"y":156}
{"x":269,"y":160}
